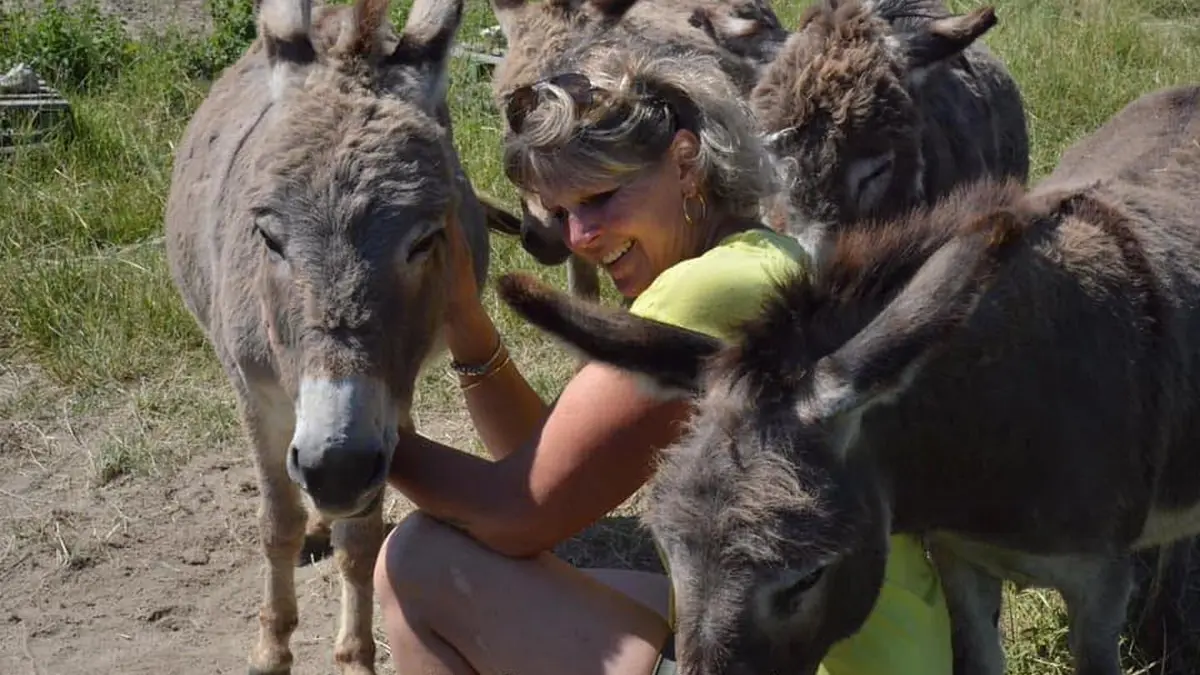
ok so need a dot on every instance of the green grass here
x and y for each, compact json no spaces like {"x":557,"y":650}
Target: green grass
{"x":84,"y":293}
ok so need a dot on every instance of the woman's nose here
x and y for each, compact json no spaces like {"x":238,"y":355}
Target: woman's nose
{"x":582,"y":232}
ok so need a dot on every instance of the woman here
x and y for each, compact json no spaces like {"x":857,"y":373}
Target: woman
{"x":657,"y":168}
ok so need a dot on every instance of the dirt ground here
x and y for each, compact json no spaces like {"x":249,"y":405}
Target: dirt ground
{"x":149,"y":575}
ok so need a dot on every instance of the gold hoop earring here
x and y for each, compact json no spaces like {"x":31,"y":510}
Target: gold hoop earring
{"x":703,"y":209}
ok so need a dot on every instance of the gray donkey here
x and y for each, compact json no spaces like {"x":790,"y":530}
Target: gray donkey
{"x":546,"y":37}
{"x":1012,"y":374}
{"x":874,"y":106}
{"x":306,"y":231}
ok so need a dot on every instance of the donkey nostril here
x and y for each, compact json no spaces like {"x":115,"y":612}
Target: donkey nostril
{"x":293,"y":465}
{"x":378,"y":473}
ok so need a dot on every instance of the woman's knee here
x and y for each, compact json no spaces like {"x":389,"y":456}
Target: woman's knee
{"x":409,"y":562}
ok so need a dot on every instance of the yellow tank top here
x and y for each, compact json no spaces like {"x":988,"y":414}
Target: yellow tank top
{"x":908,"y":632}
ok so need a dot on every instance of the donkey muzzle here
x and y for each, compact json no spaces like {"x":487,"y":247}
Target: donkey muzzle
{"x":346,"y":431}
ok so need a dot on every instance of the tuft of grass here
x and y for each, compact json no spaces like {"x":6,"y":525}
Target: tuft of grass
{"x":78,"y":50}
{"x":1079,"y":61}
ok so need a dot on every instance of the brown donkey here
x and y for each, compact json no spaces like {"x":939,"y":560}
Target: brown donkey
{"x":545,"y":37}
{"x":1013,"y":375}
{"x":306,"y":231}
{"x":874,"y":106}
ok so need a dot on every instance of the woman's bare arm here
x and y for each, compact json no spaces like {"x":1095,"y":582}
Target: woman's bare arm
{"x":597,"y":447}
{"x":506,"y":411}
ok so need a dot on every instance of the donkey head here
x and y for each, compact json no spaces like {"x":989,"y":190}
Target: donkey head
{"x":772,"y":516}
{"x":354,"y":189}
{"x":840,"y":110}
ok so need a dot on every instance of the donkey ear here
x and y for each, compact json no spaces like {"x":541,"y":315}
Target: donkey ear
{"x":497,"y":217}
{"x":881,"y":361}
{"x":671,"y":358}
{"x":283,"y":26}
{"x":941,"y":39}
{"x":541,"y":234}
{"x":426,"y":43}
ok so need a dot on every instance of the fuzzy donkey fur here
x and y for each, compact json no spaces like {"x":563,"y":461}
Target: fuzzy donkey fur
{"x":306,"y":232}
{"x":1013,"y":375}
{"x":874,"y":106}
{"x":548,"y":36}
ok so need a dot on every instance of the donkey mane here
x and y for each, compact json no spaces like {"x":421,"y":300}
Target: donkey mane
{"x":808,"y":316}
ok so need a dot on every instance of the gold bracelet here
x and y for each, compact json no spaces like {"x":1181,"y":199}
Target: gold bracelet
{"x":469,"y":370}
{"x":485,"y":377}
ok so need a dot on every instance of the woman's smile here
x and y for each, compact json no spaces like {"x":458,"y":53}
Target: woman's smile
{"x":618,"y":253}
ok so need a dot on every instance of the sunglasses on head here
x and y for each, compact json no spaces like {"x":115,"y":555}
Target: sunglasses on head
{"x":524,"y":99}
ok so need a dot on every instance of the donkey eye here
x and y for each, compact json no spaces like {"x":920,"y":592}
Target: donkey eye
{"x":272,"y":244}
{"x":867,"y":179}
{"x":424,"y":244}
{"x":788,"y":598}
{"x":807,"y":581}
{"x":879,"y":171}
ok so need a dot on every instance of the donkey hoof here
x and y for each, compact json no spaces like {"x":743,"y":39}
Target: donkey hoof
{"x":271,"y":667}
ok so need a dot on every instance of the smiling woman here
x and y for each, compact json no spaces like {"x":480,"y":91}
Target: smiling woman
{"x":654,"y":162}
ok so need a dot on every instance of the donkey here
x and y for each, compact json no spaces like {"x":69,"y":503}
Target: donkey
{"x":1011,"y":373}
{"x":874,"y":106}
{"x":306,"y":231}
{"x":545,"y":37}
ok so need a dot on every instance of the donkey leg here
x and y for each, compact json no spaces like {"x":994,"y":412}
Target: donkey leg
{"x":1097,"y":596}
{"x":973,"y":598}
{"x":356,"y":545}
{"x":282,"y":519}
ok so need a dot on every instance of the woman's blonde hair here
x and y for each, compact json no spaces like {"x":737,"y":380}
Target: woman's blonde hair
{"x":618,"y":114}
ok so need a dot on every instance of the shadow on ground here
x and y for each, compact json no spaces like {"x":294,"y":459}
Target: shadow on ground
{"x":616,"y":542}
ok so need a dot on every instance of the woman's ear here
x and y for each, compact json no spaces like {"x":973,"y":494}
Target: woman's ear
{"x":685,"y":151}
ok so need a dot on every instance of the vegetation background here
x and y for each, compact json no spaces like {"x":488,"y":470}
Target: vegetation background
{"x":127,"y":533}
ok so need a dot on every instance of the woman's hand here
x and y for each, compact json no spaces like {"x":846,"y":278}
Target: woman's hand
{"x":460,"y":268}
{"x":470,"y":334}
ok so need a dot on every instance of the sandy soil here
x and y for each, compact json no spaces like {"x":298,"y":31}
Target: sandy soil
{"x":154,"y":575}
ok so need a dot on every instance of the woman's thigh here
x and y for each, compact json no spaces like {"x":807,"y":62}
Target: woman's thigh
{"x":529,"y":616}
